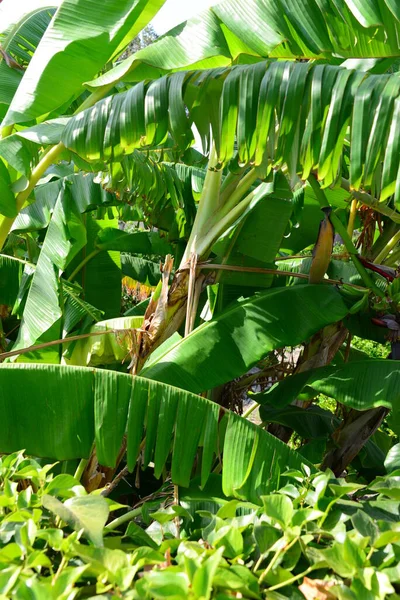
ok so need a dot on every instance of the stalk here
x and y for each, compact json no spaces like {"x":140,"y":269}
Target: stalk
{"x":389,"y":231}
{"x":292,"y":579}
{"x":352,"y":217}
{"x":280,"y":552}
{"x":81,"y":468}
{"x":229,"y":184}
{"x":393,"y":258}
{"x":83,"y":263}
{"x":204,"y":245}
{"x":218,"y":208}
{"x":232,"y":198}
{"x":370,"y":201}
{"x":136,"y":512}
{"x":50,"y":157}
{"x":250,"y":410}
{"x":388,"y":248}
{"x":214,"y":215}
{"x":208,"y":205}
{"x":94,"y":97}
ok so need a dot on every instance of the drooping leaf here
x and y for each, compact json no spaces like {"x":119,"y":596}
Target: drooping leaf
{"x":43,"y":310}
{"x":80,"y":39}
{"x":247,"y":30}
{"x":21,"y":149}
{"x":11,"y":270}
{"x":21,"y":29}
{"x":102,"y":405}
{"x":140,"y":269}
{"x":333,"y":105}
{"x":86,"y":194}
{"x":137,"y":242}
{"x":102,"y":291}
{"x":14,"y":15}
{"x":311,"y":423}
{"x":76,"y":309}
{"x":358,"y":384}
{"x":247,"y":331}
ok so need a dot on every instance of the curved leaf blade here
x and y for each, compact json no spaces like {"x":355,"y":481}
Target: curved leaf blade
{"x":82,"y":36}
{"x":246,"y":332}
{"x":85,"y":401}
{"x":358,"y":384}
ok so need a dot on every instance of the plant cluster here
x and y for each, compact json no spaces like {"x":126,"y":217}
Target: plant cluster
{"x":254,"y":151}
{"x":315,"y":534}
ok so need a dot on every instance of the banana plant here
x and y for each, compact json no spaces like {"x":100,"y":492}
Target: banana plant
{"x":257,"y":128}
{"x":280,"y":140}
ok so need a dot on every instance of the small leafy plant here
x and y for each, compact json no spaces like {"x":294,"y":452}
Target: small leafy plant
{"x":316,"y":536}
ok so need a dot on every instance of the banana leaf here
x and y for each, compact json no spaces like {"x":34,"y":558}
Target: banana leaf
{"x":287,"y":105}
{"x":244,"y":31}
{"x":57,"y":411}
{"x":81,"y":38}
{"x":360,"y":385}
{"x":229,"y":345}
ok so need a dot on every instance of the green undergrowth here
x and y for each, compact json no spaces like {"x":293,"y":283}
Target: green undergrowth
{"x":373,"y":349}
{"x":316,"y":533}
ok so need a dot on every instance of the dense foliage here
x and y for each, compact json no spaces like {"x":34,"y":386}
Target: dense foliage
{"x":316,"y":534}
{"x":199,"y":285}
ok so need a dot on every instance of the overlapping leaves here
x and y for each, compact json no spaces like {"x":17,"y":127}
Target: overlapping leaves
{"x":103,"y":405}
{"x":300,"y":114}
{"x":22,"y":26}
{"x":242,"y":31}
{"x":227,"y":346}
{"x":80,"y":39}
{"x":360,"y":385}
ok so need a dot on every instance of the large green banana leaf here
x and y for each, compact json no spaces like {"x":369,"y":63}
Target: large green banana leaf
{"x":58,"y":411}
{"x":293,"y":113}
{"x":163,"y":192}
{"x":86,"y":195}
{"x":358,"y":384}
{"x":21,"y":149}
{"x":66,"y":235}
{"x":137,"y":242}
{"x":22,"y":26}
{"x":100,"y":277}
{"x":253,"y":242}
{"x":53,"y":306}
{"x":82,"y":36}
{"x":229,"y":345}
{"x":247,"y":30}
{"x":144,"y":174}
{"x":76,"y":310}
{"x":13,"y":15}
